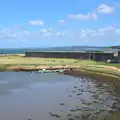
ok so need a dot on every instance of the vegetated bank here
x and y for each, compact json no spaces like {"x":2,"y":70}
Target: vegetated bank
{"x":101,"y":73}
{"x":89,"y":68}
{"x":21,"y":63}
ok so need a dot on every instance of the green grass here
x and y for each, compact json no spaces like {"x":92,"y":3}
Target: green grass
{"x":89,"y":66}
{"x":109,"y":64}
{"x":20,"y":60}
{"x":31,"y":61}
{"x":114,"y":116}
{"x":101,"y":69}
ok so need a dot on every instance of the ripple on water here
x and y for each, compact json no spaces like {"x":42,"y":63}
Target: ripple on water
{"x":54,"y":96}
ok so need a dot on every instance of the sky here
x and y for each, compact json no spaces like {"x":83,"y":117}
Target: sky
{"x":51,"y":23}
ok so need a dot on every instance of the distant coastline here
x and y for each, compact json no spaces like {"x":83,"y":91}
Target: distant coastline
{"x":66,"y":48}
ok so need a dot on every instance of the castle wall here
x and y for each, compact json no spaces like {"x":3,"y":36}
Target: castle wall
{"x":57,"y":55}
{"x":75,"y":55}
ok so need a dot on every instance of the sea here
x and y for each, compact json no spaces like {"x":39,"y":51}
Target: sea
{"x":23,"y":50}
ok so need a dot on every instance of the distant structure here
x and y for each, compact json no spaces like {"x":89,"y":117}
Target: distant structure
{"x":112,"y":54}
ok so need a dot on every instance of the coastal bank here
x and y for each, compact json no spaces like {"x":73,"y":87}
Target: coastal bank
{"x":103,"y":72}
{"x":109,"y":78}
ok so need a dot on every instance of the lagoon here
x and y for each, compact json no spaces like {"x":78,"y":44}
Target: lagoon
{"x":52,"y":96}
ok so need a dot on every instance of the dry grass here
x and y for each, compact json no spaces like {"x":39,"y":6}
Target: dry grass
{"x":91,"y":67}
{"x":21,"y":60}
{"x":102,"y":69}
{"x":114,"y":116}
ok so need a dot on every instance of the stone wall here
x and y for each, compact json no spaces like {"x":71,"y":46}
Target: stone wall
{"x":57,"y":55}
{"x":76,"y":55}
{"x":102,"y":56}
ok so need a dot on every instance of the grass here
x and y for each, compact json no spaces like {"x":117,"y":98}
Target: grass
{"x":109,"y":64}
{"x":101,"y":69}
{"x":114,"y":116}
{"x":14,"y":60}
{"x":20,"y":60}
{"x":91,"y":68}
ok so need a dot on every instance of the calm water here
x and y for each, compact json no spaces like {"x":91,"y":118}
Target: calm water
{"x":23,"y":50}
{"x":53,"y":96}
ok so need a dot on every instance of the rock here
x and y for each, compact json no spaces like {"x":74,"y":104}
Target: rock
{"x":58,"y":116}
{"x":76,"y":106}
{"x":61,"y":103}
{"x":69,"y":95}
{"x":69,"y":114}
{"x":78,"y":94}
{"x":77,"y":117}
{"x":71,"y":119}
{"x":85,"y":117}
{"x":75,"y":86}
{"x":82,"y":90}
{"x":81,"y":85}
{"x":95,"y":102}
{"x":29,"y":118}
{"x":78,"y":109}
{"x":87,"y":103}
{"x":72,"y":110}
{"x":73,"y":91}
{"x":100,"y":99}
{"x":54,"y":115}
{"x":82,"y":100}
{"x":93,"y":92}
{"x":95,"y":118}
{"x":99,"y":85}
{"x":101,"y":92}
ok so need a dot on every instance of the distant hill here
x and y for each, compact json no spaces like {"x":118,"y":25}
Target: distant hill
{"x":116,"y":47}
{"x":73,"y":48}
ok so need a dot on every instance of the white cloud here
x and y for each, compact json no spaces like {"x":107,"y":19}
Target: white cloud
{"x":98,"y":32}
{"x":11,"y":33}
{"x":7,"y":33}
{"x":89,"y":16}
{"x":49,"y":34}
{"x":105,"y":9}
{"x":101,"y":9}
{"x":45,"y":32}
{"x":61,"y":21}
{"x":36,"y":22}
{"x":60,"y":34}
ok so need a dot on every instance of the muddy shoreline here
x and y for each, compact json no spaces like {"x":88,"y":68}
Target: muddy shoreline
{"x":78,"y":72}
{"x":104,"y":78}
{"x":32,"y":68}
{"x":74,"y":71}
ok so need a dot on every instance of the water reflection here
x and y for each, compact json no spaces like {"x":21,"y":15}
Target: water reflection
{"x":54,"y":96}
